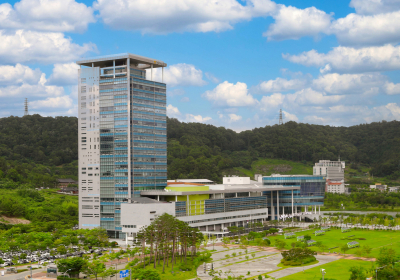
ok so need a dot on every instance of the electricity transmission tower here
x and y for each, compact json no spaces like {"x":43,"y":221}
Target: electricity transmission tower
{"x":280,"y":117}
{"x":26,"y":107}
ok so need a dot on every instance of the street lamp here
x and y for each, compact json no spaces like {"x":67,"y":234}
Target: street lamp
{"x":66,"y":272}
{"x":323,"y":273}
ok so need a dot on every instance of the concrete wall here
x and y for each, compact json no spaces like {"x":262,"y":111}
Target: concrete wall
{"x":236,"y":180}
{"x":88,"y":147}
{"x":141,"y":215}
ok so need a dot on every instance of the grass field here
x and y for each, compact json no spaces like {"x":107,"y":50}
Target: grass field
{"x":268,"y":166}
{"x":334,"y":270}
{"x":333,"y":238}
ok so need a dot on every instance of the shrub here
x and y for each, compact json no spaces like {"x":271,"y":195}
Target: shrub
{"x":298,"y":256}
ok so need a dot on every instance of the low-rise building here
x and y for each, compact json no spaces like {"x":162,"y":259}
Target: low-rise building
{"x":63,"y":183}
{"x":238,"y":201}
{"x":334,"y":173}
{"x":394,"y":189}
{"x":379,"y":187}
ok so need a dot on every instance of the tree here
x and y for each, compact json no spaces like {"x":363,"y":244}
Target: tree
{"x":386,"y":256}
{"x":61,"y":250}
{"x":357,"y":273}
{"x":72,"y":265}
{"x":213,"y":240}
{"x":344,"y":248}
{"x":147,"y":274}
{"x":95,"y":268}
{"x":366,"y":250}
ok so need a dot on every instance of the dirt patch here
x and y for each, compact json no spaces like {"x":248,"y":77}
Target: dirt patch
{"x":13,"y":221}
{"x":281,"y":168}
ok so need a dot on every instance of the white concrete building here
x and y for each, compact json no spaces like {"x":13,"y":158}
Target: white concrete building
{"x":334,"y":173}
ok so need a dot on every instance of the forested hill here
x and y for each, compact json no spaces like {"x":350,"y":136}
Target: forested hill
{"x":31,"y":147}
{"x":196,"y":150}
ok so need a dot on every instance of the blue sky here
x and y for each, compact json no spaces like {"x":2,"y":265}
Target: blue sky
{"x":230,"y":63}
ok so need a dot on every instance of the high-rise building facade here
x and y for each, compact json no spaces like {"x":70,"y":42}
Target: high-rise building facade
{"x":122,"y":136}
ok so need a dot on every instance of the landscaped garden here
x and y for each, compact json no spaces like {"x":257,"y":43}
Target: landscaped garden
{"x":334,"y":240}
{"x":334,"y":270}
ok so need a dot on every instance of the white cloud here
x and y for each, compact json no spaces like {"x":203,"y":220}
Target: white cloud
{"x":294,"y":23}
{"x":391,"y":88}
{"x":173,"y":112}
{"x":46,"y":15}
{"x":212,"y":78}
{"x":309,"y":96}
{"x":349,"y":83}
{"x":352,"y":60}
{"x":64,"y":74}
{"x":181,"y":74}
{"x":26,"y":90}
{"x":185,"y":99}
{"x":289,"y":117}
{"x":234,"y":117}
{"x":179,"y":15}
{"x":52,"y":102}
{"x":271,"y":101}
{"x":360,"y":30}
{"x":18,"y":74}
{"x":38,"y":47}
{"x":198,"y":118}
{"x":372,"y":7}
{"x":231,"y":95}
{"x":280,"y":84}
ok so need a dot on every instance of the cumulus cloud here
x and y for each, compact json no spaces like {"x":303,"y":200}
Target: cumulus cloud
{"x":173,"y":112}
{"x":234,"y":117}
{"x":361,"y":30}
{"x":18,"y":74}
{"x":372,"y":7}
{"x":391,"y":88}
{"x":230,"y":95}
{"x":181,"y":74}
{"x":351,"y":60}
{"x":46,"y":15}
{"x":309,"y":96}
{"x":350,"y":83}
{"x":64,"y":74}
{"x":39,"y":47}
{"x":52,"y":102}
{"x":271,"y":101}
{"x":281,"y":84}
{"x":198,"y":118}
{"x":294,"y":23}
{"x":179,"y":15}
{"x":289,"y":117}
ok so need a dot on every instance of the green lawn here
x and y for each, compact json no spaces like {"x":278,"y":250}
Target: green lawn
{"x":268,"y":166}
{"x":334,"y":270}
{"x":374,"y":239}
{"x":178,"y":275}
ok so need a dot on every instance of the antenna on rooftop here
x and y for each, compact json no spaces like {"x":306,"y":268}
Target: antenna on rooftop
{"x":280,"y":117}
{"x":26,"y":113}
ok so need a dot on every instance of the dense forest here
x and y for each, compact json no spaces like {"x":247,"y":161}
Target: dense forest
{"x":37,"y":150}
{"x":199,"y":150}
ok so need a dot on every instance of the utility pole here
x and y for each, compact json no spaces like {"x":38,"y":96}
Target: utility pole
{"x":280,"y":117}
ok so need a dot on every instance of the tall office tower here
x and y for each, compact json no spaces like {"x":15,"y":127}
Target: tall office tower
{"x":122,"y":136}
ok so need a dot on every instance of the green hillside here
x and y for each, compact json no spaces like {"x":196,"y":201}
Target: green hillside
{"x":267,"y":167}
{"x":37,"y":150}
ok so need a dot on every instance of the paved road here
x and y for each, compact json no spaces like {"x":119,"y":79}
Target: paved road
{"x":19,"y":275}
{"x":361,"y":212}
